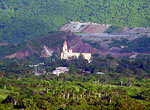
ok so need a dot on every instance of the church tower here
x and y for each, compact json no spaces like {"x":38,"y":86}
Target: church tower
{"x":65,"y":48}
{"x":70,"y":50}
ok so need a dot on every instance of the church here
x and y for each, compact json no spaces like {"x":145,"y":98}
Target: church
{"x":67,"y":53}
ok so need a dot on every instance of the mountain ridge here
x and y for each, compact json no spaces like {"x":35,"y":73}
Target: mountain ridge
{"x":24,"y":20}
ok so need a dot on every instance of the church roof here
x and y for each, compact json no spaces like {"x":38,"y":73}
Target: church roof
{"x":65,"y":42}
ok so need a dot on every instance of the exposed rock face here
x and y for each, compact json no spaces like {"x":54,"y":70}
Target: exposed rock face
{"x":52,"y":44}
{"x":134,"y":32}
{"x":47,"y":52}
{"x":137,"y":30}
{"x":1,"y":44}
{"x":85,"y":27}
{"x":74,"y":42}
{"x":96,"y":28}
{"x":78,"y":46}
{"x":45,"y":46}
{"x":19,"y":54}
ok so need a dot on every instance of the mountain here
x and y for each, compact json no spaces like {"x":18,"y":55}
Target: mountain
{"x":22,"y":20}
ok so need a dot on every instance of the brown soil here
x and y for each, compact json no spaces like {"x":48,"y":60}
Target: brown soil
{"x":1,"y":44}
{"x":85,"y":27}
{"x":95,"y":28}
{"x":19,"y":54}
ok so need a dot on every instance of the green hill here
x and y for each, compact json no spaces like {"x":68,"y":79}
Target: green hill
{"x":25,"y":19}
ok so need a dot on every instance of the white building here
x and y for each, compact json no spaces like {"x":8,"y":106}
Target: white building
{"x":67,"y":53}
{"x":60,"y":70}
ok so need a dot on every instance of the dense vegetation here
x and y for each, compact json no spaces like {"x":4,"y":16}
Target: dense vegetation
{"x":114,"y":28}
{"x":140,"y":45}
{"x":92,"y":44}
{"x":11,"y":48}
{"x":125,"y":84}
{"x":27,"y":93}
{"x":22,"y":20}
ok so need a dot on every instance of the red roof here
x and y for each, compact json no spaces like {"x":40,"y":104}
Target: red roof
{"x":65,"y":42}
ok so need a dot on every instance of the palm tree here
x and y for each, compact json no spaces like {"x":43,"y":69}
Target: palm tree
{"x":106,"y":90}
{"x":110,"y":97}
{"x":59,"y":92}
{"x":99,"y":90}
{"x":89,"y":90}
{"x":68,"y":92}
{"x":47,"y":84}
{"x":131,"y":82}
{"x":81,"y":91}
{"x":73,"y":91}
{"x":14,"y":98}
{"x":64,"y":92}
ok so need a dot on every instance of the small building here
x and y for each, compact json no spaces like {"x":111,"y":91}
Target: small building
{"x":37,"y":68}
{"x":123,"y":46}
{"x":39,"y":72}
{"x":60,"y":70}
{"x":100,"y":73}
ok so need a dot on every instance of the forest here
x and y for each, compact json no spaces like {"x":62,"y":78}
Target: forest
{"x":26,"y":19}
{"x":124,"y":85}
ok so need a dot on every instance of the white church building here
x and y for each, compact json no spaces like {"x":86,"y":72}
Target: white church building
{"x":67,"y":53}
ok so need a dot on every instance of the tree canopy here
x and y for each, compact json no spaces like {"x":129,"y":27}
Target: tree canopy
{"x":23,"y":20}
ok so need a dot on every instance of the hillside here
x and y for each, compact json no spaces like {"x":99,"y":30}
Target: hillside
{"x":103,"y":44}
{"x":45,"y":46}
{"x":22,"y":20}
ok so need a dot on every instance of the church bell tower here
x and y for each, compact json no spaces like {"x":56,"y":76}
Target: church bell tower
{"x":65,"y":48}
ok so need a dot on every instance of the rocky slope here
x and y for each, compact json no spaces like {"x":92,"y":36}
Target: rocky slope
{"x":46,"y":46}
{"x":93,"y":40}
{"x":85,"y":27}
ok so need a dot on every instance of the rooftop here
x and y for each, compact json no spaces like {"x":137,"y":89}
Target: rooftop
{"x":100,"y":73}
